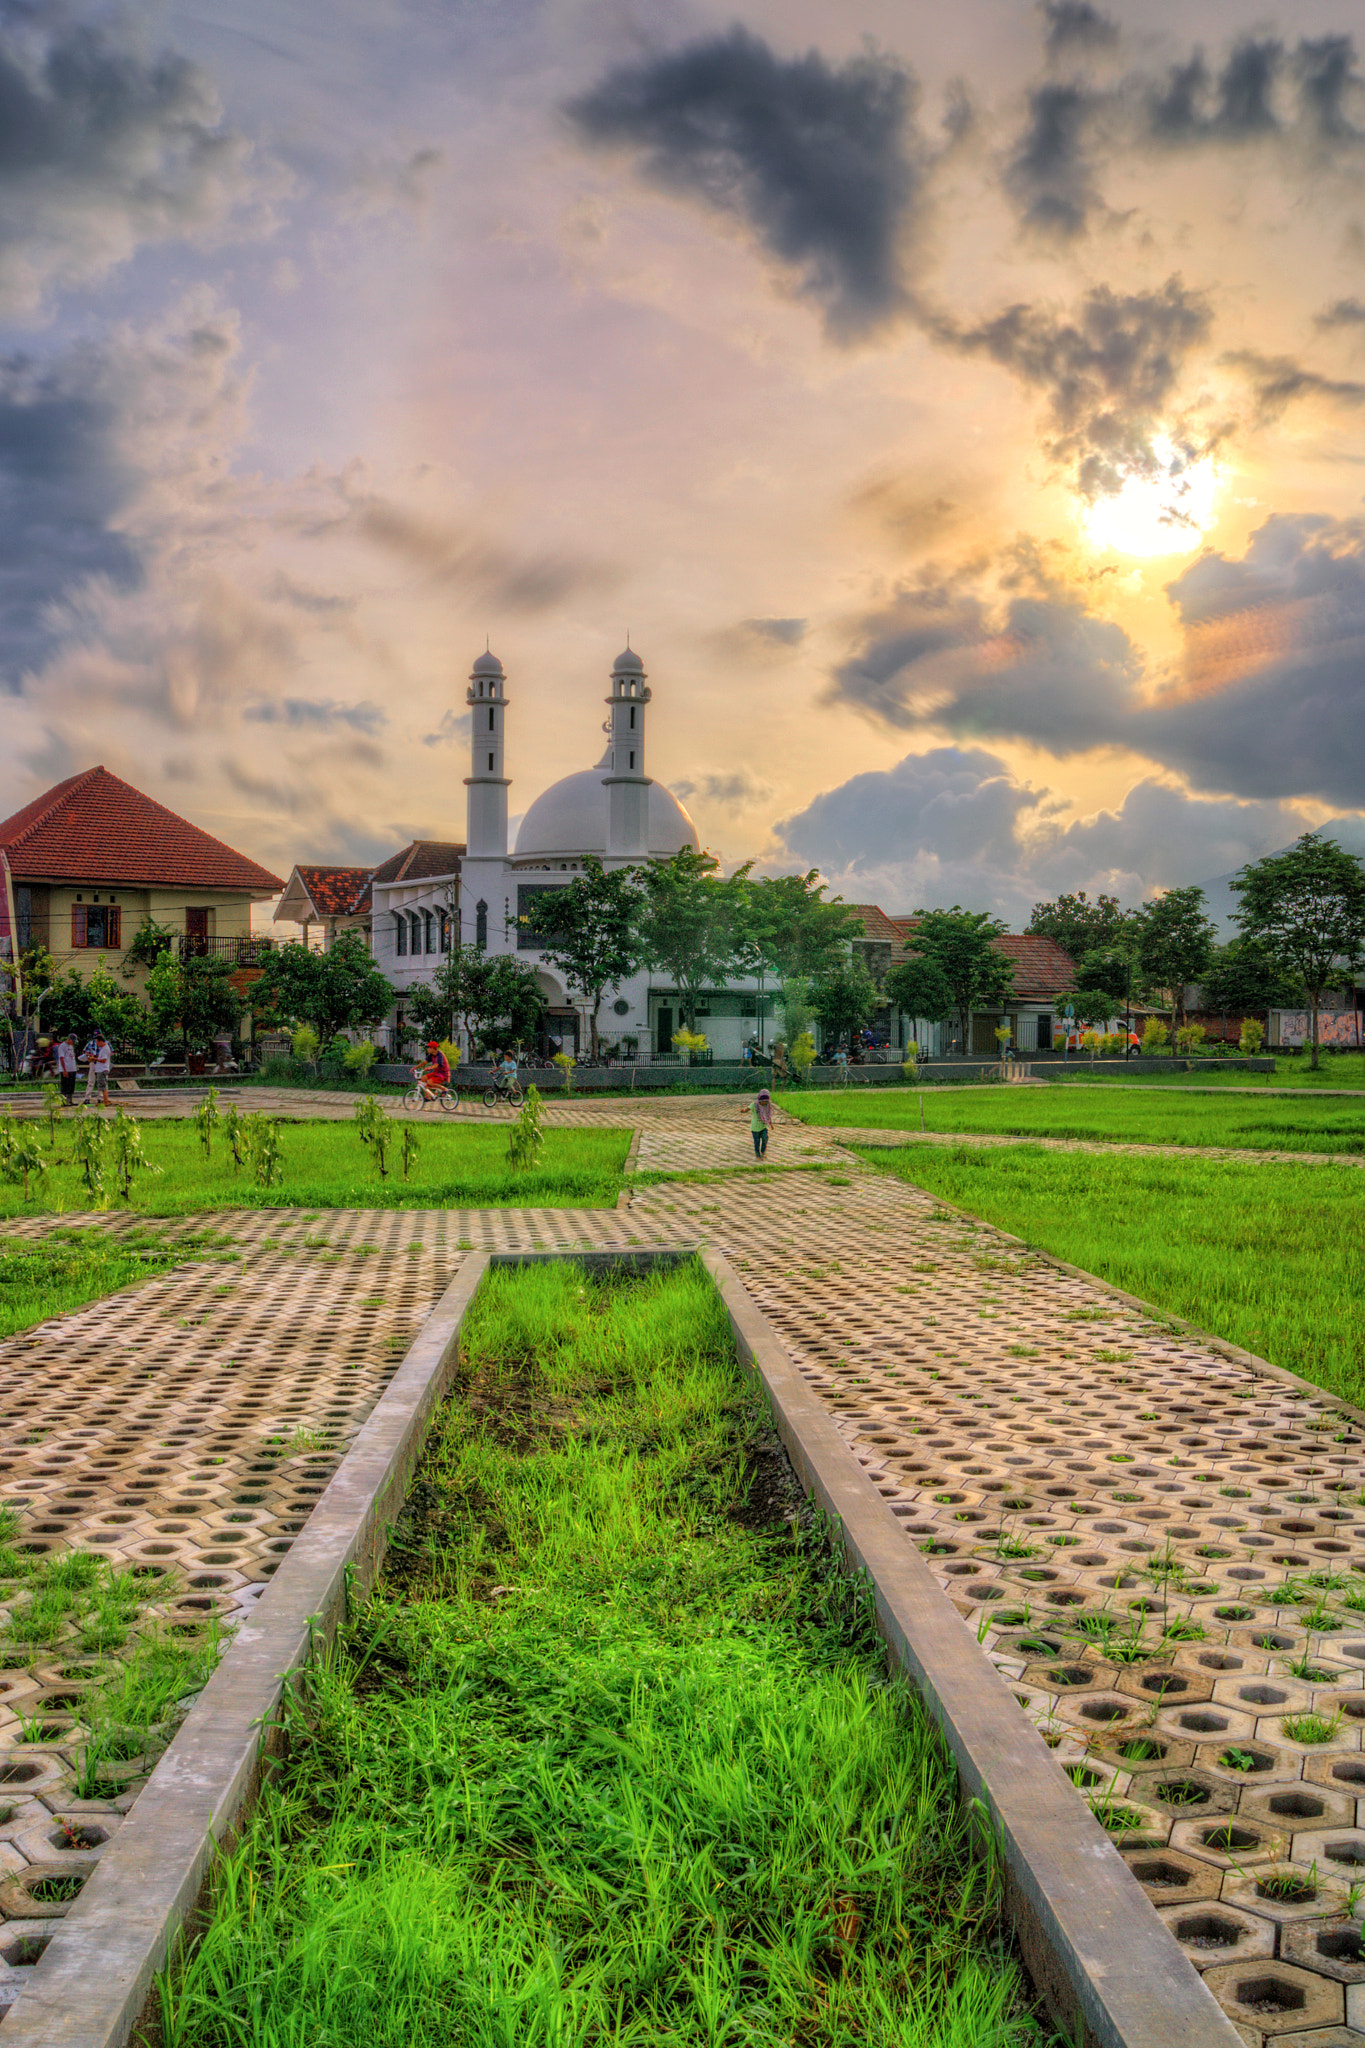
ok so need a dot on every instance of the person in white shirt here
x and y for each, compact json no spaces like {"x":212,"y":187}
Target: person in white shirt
{"x":65,"y":1055}
{"x":101,"y":1059}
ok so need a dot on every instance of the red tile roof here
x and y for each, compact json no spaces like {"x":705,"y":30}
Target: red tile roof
{"x":420,"y":861}
{"x":337,"y":892}
{"x":95,"y":828}
{"x":880,"y":929}
{"x":1042,"y":969}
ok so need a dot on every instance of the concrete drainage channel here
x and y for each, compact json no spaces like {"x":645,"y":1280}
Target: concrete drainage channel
{"x":1108,"y":1969}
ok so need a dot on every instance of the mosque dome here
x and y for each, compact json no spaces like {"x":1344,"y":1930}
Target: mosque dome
{"x":487,"y":664}
{"x":570,"y":818}
{"x":628,"y":663}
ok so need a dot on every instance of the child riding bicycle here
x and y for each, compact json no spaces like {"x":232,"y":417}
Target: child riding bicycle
{"x":436,"y":1074}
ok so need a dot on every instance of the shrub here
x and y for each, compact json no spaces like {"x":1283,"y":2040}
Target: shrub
{"x":1252,"y":1038}
{"x":304,"y":1043}
{"x":1156,"y":1036}
{"x":802,"y":1055}
{"x":1112,"y":1042}
{"x":564,"y":1061}
{"x":690,"y":1042}
{"x":1091,"y":1042}
{"x":1189,"y":1038}
{"x":358,"y":1059}
{"x":910,"y":1064}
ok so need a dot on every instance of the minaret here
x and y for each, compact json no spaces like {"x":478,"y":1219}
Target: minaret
{"x":627,"y":784}
{"x":486,"y":804}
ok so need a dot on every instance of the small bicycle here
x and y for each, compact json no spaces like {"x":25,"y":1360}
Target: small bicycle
{"x":503,"y":1091}
{"x":421,"y":1097}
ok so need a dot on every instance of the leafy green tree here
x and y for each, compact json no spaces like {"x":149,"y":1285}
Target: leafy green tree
{"x":588,"y":931}
{"x":1306,"y":906}
{"x":503,"y":993}
{"x":1104,"y":983}
{"x":1245,"y":979}
{"x":339,"y":990}
{"x":920,"y":988}
{"x":691,"y":923}
{"x":843,"y":999}
{"x":194,"y":996}
{"x":785,"y":928}
{"x":1079,"y":926}
{"x":961,"y":945}
{"x":1175,"y":944}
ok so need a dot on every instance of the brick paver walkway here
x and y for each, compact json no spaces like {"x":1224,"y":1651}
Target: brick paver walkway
{"x":1163,"y":1553}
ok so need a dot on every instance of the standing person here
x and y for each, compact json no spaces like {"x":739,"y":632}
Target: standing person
{"x":761,"y":1122}
{"x":66,"y":1067}
{"x":101,"y":1059}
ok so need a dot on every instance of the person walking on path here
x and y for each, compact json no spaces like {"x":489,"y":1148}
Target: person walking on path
{"x":761,"y":1122}
{"x":65,"y":1056}
{"x":101,"y":1059}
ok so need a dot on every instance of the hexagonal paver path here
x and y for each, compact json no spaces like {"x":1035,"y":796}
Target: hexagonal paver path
{"x":1163,"y":1552}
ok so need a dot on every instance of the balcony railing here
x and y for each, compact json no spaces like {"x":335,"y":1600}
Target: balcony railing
{"x":248,"y":952}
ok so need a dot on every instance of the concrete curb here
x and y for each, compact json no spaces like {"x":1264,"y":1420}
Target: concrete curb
{"x":97,"y":1974}
{"x":1097,"y":1953}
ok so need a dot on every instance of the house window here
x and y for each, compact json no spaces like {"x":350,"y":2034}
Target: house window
{"x":481,"y":925}
{"x":400,"y":932}
{"x":429,"y":922}
{"x":98,"y":925}
{"x":445,"y":931}
{"x":415,"y":924}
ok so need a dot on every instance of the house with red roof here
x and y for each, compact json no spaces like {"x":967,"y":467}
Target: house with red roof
{"x":89,"y":862}
{"x":1044,"y":975}
{"x":333,"y":900}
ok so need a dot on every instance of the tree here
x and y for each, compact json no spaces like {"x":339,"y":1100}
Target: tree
{"x":1104,"y":982}
{"x":1306,"y":906}
{"x":843,"y":999}
{"x":919,"y":988}
{"x":691,"y":923}
{"x":1079,"y":926}
{"x":588,"y":931}
{"x":785,"y":928}
{"x":961,"y":945}
{"x":1245,"y":980}
{"x":334,"y":991}
{"x":479,"y":990}
{"x":1175,"y":943}
{"x":195,"y":997}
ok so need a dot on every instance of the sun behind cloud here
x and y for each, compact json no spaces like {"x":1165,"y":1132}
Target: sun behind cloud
{"x":1165,"y":513}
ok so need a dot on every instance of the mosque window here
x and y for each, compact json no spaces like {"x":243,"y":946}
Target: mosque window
{"x":429,"y":924}
{"x":490,"y":764}
{"x":632,"y":757}
{"x":415,"y":924}
{"x":481,"y":925}
{"x":490,"y":718}
{"x":632,"y":718}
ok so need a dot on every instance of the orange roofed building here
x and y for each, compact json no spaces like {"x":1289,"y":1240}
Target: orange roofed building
{"x":86,"y":864}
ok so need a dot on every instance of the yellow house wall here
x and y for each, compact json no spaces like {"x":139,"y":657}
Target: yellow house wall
{"x":229,"y":917}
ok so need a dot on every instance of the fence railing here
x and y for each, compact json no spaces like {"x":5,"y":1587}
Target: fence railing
{"x":249,"y":952}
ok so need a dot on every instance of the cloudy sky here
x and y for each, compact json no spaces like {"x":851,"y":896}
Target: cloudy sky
{"x":963,"y":409}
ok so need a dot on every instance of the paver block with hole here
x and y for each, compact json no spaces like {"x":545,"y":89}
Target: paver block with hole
{"x":1299,"y":1807}
{"x":1230,"y":1840}
{"x":1276,"y":1997}
{"x":1217,"y":1933}
{"x":44,"y":1891}
{"x":1334,"y":1948}
{"x":1182,"y":1793}
{"x":1171,"y":1878}
{"x":1285,"y":1893}
{"x":1338,"y":1851}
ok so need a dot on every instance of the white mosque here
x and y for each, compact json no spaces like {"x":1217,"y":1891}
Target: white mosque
{"x":614,"y":811}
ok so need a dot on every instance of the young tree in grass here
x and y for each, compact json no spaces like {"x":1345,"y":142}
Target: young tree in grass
{"x":588,"y":931}
{"x":920,"y":988}
{"x":1175,"y":943}
{"x":1306,"y":906}
{"x":691,"y":923}
{"x":961,"y":945}
{"x":843,"y":999}
{"x":339,"y":990}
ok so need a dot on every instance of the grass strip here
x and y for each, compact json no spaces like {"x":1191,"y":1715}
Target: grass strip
{"x":67,"y":1268}
{"x":1100,"y":1115}
{"x":610,"y":1757}
{"x":326,"y":1166}
{"x":1271,"y":1258}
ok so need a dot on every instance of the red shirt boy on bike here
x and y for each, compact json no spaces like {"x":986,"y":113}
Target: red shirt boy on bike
{"x":437,"y":1073}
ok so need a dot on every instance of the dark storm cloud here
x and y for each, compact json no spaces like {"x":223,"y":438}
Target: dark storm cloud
{"x":819,"y":160}
{"x":1049,"y":176}
{"x":1274,"y":701}
{"x":1344,"y":313}
{"x":1108,"y":372}
{"x":1074,"y":25}
{"x":62,"y":482}
{"x":1194,"y":106}
{"x":100,"y":149}
{"x":778,"y":632}
{"x":1277,"y":381}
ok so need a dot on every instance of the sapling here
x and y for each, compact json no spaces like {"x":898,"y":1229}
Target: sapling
{"x":52,"y":1109}
{"x":232,"y":1129}
{"x":526,"y":1139}
{"x":565,"y":1064}
{"x":206,"y":1116}
{"x":22,"y":1154}
{"x":261,"y":1144}
{"x":411,"y":1147}
{"x":129,"y":1157}
{"x":92,"y":1135}
{"x":376,"y":1129}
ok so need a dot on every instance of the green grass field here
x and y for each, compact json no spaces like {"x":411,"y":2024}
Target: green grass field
{"x":1271,"y":1258}
{"x":327,"y":1167}
{"x":1104,"y":1116}
{"x":67,"y":1268}
{"x":1338,"y":1070}
{"x":610,"y":1758}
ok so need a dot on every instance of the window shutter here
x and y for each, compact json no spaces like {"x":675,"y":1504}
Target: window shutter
{"x":77,"y":925}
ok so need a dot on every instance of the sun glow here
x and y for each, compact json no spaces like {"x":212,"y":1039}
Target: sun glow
{"x":1166,"y":513}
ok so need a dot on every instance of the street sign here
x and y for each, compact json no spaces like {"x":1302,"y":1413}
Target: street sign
{"x":1069,"y":1012}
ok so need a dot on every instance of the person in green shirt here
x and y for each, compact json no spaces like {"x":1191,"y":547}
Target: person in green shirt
{"x":761,"y":1122}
